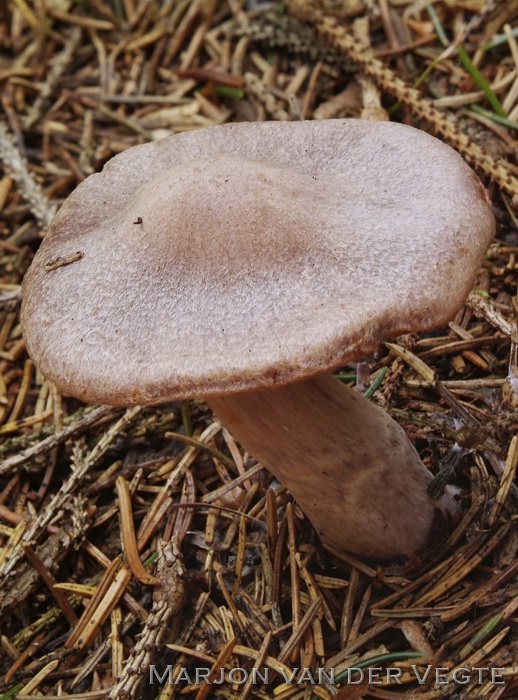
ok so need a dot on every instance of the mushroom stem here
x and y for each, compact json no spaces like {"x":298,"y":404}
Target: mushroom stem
{"x":350,"y":467}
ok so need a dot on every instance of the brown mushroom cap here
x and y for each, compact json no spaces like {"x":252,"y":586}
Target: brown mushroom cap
{"x":251,"y":254}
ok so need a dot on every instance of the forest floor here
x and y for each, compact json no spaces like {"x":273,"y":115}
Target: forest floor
{"x":98,"y":505}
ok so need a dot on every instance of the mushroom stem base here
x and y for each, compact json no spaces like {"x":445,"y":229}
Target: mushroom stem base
{"x":350,"y":467}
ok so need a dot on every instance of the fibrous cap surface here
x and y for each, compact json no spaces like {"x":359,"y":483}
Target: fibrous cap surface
{"x":251,"y":254}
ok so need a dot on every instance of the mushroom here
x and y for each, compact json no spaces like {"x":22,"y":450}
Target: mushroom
{"x":242,"y":263}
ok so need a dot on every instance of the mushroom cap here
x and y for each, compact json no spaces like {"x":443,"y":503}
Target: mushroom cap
{"x":251,"y":254}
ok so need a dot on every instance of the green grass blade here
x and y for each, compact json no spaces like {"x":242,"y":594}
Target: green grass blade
{"x":504,"y":121}
{"x":467,"y":63}
{"x":481,"y":82}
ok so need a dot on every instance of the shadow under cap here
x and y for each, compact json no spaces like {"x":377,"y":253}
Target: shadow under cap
{"x":265,"y":252}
